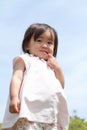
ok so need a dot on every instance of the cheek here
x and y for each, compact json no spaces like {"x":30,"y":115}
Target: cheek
{"x":52,"y":50}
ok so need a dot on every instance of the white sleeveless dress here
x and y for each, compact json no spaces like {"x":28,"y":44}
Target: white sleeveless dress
{"x":42,"y":97}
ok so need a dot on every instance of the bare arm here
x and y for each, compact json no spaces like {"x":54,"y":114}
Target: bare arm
{"x":17,"y":77}
{"x":52,"y":63}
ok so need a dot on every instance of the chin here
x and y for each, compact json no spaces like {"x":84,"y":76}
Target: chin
{"x":44,"y":58}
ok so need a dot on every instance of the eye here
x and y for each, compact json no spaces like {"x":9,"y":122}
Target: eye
{"x":39,"y":40}
{"x":50,"y":42}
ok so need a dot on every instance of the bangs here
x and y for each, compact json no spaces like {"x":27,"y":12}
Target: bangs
{"x":40,"y":31}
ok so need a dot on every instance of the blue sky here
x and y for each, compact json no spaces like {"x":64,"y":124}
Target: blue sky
{"x":69,"y":18}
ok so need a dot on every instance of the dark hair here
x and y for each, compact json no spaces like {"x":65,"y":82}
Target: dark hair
{"x":36,"y":30}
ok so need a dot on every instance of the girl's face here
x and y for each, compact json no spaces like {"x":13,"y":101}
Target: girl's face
{"x":42,"y":46}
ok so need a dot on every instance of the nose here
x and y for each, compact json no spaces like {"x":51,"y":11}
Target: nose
{"x":44,"y":44}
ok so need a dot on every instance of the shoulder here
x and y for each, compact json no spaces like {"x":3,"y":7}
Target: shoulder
{"x":20,"y":60}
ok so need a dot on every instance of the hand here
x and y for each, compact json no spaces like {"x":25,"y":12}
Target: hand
{"x":14,"y":106}
{"x":54,"y":65}
{"x":52,"y":62}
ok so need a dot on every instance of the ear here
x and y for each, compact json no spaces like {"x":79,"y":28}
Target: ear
{"x":26,"y":46}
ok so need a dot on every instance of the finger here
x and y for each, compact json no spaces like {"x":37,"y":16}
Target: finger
{"x":18,"y":108}
{"x":50,"y":56}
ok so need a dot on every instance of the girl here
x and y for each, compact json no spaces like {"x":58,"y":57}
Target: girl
{"x":36,"y":100}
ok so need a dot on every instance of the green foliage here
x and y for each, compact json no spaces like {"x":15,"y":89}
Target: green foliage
{"x":77,"y":124}
{"x":0,"y":126}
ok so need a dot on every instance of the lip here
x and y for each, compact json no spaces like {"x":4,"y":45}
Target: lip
{"x":44,"y":51}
